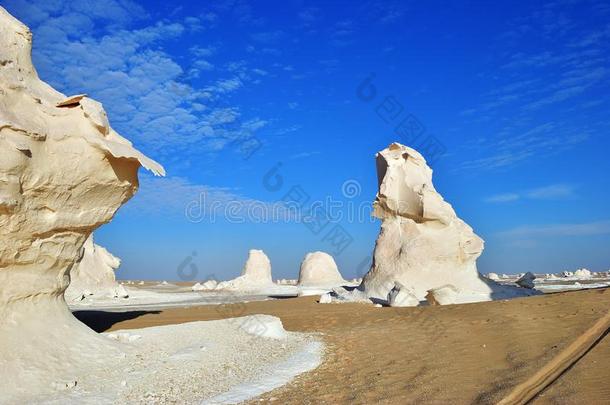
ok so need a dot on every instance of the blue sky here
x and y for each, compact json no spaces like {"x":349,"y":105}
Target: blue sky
{"x":509,"y":101}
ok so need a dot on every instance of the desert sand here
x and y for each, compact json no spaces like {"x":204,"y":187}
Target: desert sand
{"x":468,"y":353}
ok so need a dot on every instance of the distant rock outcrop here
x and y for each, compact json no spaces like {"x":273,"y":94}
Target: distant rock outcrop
{"x":526,"y":280}
{"x":423,"y":245}
{"x":63,"y":172}
{"x":94,"y":274}
{"x":319,"y":269}
{"x":256,"y":274}
{"x":206,"y":285}
{"x":583,"y":274}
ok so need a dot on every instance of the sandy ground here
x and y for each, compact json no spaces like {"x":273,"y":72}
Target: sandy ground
{"x":471,"y":353}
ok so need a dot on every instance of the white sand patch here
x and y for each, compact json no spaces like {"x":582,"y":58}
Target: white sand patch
{"x":305,"y":360}
{"x":213,"y":361}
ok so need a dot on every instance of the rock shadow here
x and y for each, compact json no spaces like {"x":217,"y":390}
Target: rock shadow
{"x":101,"y":321}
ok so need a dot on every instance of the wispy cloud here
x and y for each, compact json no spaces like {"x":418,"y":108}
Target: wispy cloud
{"x":385,"y":12}
{"x":551,"y":192}
{"x":174,"y":197}
{"x":514,"y":145}
{"x":149,"y":95}
{"x":559,"y":230}
{"x":502,"y":198}
{"x":304,"y":155}
{"x":552,"y":66}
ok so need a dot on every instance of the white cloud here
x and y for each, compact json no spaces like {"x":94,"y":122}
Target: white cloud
{"x":150,"y":97}
{"x":552,"y":66}
{"x":551,"y":192}
{"x":304,"y":155}
{"x":559,"y":230}
{"x":501,"y":198}
{"x":177,"y":197}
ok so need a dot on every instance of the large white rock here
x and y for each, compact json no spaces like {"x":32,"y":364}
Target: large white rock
{"x":255,"y":275}
{"x":318,"y":269}
{"x":493,"y":276}
{"x":258,"y":267}
{"x":94,"y":274}
{"x":583,"y":274}
{"x":63,"y":173}
{"x":423,"y":245}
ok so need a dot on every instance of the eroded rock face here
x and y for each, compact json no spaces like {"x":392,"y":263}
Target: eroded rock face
{"x":63,"y":173}
{"x":444,"y":295}
{"x":94,"y":274}
{"x":400,"y":296}
{"x":423,"y":245}
{"x":319,"y":269}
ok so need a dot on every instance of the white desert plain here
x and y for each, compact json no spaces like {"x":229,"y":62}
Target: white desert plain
{"x":422,"y":325}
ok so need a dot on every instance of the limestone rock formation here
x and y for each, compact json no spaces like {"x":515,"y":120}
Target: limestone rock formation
{"x":94,"y":274}
{"x":257,"y":267}
{"x":493,"y":276}
{"x":423,"y":244}
{"x":583,"y":274}
{"x":63,"y":173}
{"x":256,"y":274}
{"x":318,"y":269}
